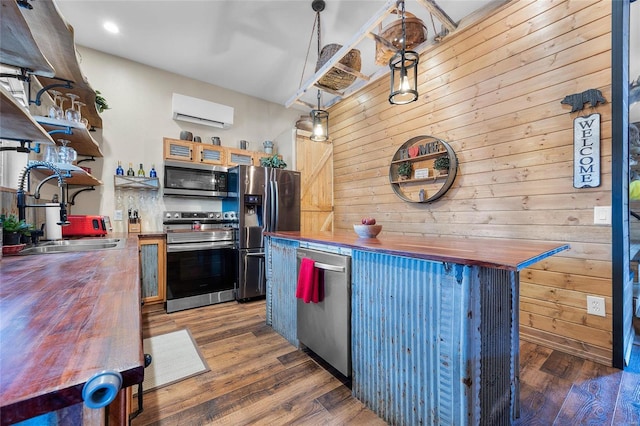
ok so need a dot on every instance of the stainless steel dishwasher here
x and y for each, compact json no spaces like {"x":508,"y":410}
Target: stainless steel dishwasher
{"x":325,"y":327}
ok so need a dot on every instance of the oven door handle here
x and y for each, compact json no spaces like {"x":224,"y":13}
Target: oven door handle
{"x":259,"y":254}
{"x":175,"y":248}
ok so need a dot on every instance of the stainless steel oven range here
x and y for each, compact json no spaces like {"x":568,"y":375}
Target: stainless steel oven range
{"x":202,"y":258}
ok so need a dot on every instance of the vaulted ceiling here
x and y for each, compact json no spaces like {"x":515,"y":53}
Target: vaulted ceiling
{"x":257,"y":47}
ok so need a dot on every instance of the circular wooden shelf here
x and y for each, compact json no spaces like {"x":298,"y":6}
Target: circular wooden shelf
{"x":429,"y":184}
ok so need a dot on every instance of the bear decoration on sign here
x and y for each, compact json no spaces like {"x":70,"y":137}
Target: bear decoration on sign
{"x":577,"y":100}
{"x":586,"y":139}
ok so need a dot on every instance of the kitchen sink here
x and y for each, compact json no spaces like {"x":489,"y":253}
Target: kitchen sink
{"x":69,"y":246}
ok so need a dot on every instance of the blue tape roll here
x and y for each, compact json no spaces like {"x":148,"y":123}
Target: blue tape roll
{"x":101,"y":389}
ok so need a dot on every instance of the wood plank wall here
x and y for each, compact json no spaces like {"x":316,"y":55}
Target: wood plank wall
{"x":493,"y":91}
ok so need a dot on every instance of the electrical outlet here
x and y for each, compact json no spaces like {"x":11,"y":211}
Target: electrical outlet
{"x":117,"y":215}
{"x":595,"y":306}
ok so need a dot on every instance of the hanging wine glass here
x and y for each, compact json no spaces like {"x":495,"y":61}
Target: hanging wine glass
{"x":83,"y":120}
{"x":56,"y":111}
{"x":62,"y":100}
{"x":71,"y":114}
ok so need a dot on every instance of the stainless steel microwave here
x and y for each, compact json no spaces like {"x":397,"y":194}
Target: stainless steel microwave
{"x":194,"y":180}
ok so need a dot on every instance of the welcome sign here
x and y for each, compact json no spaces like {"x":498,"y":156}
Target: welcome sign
{"x":586,"y":151}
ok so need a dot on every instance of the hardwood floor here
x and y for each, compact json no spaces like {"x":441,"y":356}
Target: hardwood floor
{"x":257,"y":377}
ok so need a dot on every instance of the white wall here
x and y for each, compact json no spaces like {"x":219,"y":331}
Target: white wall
{"x":139,"y":117}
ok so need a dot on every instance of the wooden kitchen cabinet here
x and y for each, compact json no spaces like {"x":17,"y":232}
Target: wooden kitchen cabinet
{"x":237,"y":157}
{"x":193,"y":152}
{"x":178,"y":150}
{"x":210,"y":154}
{"x":152,"y":268}
{"x":196,"y":152}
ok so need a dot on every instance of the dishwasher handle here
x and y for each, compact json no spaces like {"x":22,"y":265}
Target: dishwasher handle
{"x":327,"y":267}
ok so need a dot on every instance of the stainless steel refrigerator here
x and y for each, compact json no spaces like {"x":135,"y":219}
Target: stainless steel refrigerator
{"x":265,"y":199}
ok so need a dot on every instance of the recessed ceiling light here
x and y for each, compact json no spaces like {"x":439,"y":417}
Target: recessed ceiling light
{"x":111,"y":27}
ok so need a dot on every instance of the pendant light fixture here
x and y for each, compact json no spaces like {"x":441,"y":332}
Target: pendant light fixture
{"x":404,"y":70}
{"x":319,"y":117}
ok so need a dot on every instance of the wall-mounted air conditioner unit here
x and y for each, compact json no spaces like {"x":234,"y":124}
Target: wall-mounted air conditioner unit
{"x":199,"y":111}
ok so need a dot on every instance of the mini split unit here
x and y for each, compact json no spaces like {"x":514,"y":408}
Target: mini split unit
{"x":199,"y":111}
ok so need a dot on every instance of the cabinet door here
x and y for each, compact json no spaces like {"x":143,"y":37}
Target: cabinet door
{"x":237,"y":157}
{"x":152,"y":269}
{"x":210,"y":154}
{"x":175,"y":149}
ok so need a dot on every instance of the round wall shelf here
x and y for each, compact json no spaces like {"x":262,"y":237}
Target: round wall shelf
{"x":424,"y":183}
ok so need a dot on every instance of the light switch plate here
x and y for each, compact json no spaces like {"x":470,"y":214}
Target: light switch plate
{"x":602,"y":215}
{"x":117,"y":215}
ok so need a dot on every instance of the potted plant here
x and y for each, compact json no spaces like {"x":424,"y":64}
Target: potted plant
{"x":101,"y":102}
{"x":13,"y":229}
{"x":273,"y":161}
{"x":441,"y":164}
{"x":404,"y":170}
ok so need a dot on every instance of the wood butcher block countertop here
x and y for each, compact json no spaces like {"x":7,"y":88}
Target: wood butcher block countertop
{"x":513,"y":255}
{"x":63,"y":318}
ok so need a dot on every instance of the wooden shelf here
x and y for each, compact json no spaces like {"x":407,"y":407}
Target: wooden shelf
{"x":78,"y":176}
{"x":80,"y":138}
{"x":420,"y":157}
{"x":18,"y":47}
{"x":435,"y":186}
{"x":54,"y":38}
{"x":17,"y":123}
{"x":427,"y":179}
{"x":136,"y":182}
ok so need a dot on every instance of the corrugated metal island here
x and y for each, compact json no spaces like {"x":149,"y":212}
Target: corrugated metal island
{"x":434,"y":321}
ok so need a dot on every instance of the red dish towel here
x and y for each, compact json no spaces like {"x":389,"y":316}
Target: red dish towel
{"x":310,"y":282}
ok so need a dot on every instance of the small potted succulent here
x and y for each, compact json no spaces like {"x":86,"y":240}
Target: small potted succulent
{"x":404,"y":170}
{"x":442,"y":164}
{"x":13,"y":230}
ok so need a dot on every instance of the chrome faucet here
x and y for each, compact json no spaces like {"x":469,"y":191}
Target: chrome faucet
{"x":57,"y":173}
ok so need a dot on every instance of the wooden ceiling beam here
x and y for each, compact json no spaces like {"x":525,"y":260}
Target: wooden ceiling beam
{"x":440,"y":14}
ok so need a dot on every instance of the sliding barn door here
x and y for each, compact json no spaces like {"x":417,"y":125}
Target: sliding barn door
{"x":314,"y":160}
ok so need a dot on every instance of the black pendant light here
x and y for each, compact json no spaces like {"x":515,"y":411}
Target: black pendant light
{"x":404,"y":71}
{"x":320,"y":124}
{"x":319,"y":117}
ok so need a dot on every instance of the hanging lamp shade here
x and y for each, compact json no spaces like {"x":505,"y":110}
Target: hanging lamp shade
{"x":404,"y":77}
{"x":319,"y":124}
{"x":404,"y":71}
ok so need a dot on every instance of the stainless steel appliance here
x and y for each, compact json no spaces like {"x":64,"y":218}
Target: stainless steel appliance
{"x":325,"y":327}
{"x":194,"y":180}
{"x":202,"y":259}
{"x":265,"y":199}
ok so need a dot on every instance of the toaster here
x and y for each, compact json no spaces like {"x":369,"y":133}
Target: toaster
{"x":84,"y":226}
